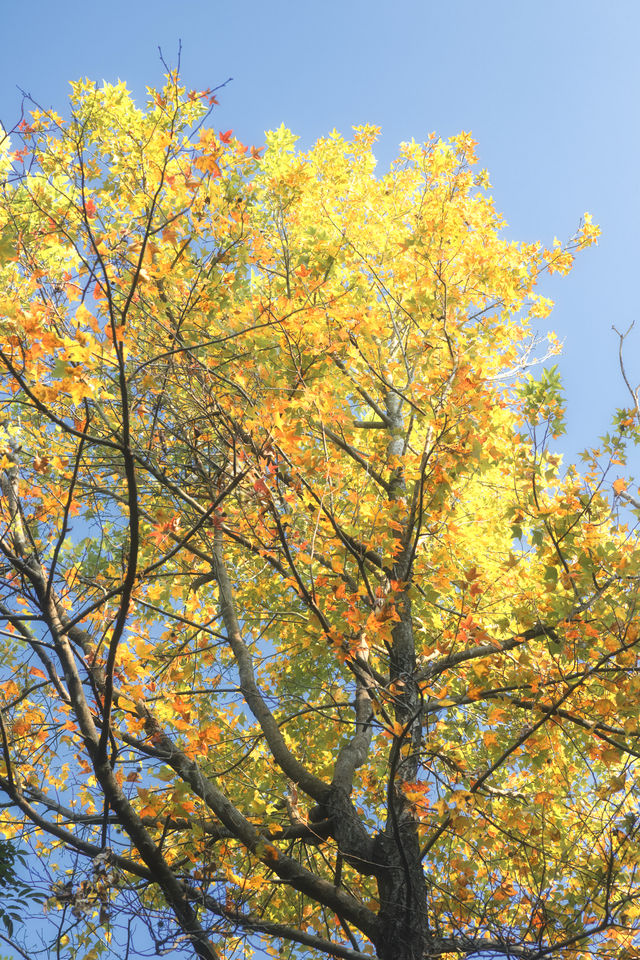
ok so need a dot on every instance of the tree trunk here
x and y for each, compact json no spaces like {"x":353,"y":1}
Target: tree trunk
{"x":403,"y":896}
{"x":401,"y":882}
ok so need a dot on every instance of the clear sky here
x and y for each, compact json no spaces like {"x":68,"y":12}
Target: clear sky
{"x":549,"y":89}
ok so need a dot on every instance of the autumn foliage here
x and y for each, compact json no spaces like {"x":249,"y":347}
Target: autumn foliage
{"x":310,"y":643}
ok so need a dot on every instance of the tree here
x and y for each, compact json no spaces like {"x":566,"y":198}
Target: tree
{"x":309,"y":640}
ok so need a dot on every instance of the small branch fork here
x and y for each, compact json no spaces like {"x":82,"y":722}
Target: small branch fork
{"x":634,"y":393}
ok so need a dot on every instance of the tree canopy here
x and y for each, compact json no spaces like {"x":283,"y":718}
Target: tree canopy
{"x":310,"y":644}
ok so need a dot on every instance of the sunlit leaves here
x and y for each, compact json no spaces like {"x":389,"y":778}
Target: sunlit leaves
{"x":318,"y":369}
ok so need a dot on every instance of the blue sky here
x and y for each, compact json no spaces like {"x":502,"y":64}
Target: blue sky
{"x":549,"y":90}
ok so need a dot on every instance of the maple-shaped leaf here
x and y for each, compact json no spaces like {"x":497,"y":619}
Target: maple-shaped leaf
{"x":41,"y":464}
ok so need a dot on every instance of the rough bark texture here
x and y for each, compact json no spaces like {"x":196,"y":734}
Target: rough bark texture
{"x":402,"y":888}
